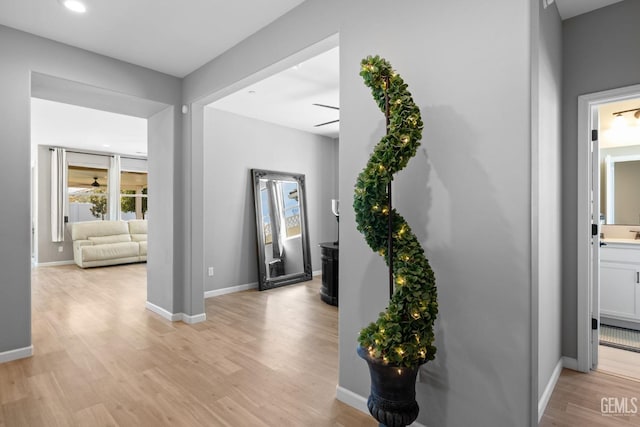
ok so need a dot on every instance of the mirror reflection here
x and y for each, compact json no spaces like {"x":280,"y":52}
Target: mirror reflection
{"x":622,"y":196}
{"x":281,"y":228}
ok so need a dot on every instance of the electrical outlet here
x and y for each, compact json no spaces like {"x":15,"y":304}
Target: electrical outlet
{"x":210,"y":271}
{"x":60,"y":248}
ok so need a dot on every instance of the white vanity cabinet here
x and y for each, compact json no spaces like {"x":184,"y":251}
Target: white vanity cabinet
{"x":620,"y":281}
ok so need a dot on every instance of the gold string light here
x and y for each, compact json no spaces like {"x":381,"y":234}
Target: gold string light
{"x":404,"y":320}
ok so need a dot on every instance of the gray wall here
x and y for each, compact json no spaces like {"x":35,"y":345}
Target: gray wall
{"x":21,"y":54}
{"x":600,"y":52}
{"x":233,"y":146}
{"x":547,"y":194}
{"x":163,"y":287}
{"x":468,"y":197}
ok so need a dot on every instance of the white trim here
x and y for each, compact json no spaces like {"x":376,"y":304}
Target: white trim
{"x":317,"y":273}
{"x":18,"y":353}
{"x":196,"y":318}
{"x":173,"y":317}
{"x":584,"y":239}
{"x":54,"y":263}
{"x":585,"y":102}
{"x":352,"y":399}
{"x":534,"y":208}
{"x":570,"y":363}
{"x":548,"y":390}
{"x":230,"y":290}
{"x":176,"y":317}
{"x":358,"y":402}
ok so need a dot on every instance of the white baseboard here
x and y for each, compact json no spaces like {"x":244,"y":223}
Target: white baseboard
{"x":358,"y":402}
{"x":197,"y":318}
{"x":230,"y":290}
{"x":54,"y":263}
{"x":173,"y":317}
{"x":352,"y":399}
{"x":548,"y":390}
{"x":317,"y":273}
{"x":570,"y":363}
{"x":19,"y":353}
{"x":176,"y":317}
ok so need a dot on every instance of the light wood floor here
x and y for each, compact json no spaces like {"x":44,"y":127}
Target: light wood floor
{"x":100,"y":359}
{"x":576,"y":400}
{"x":260,"y":359}
{"x":619,"y":362}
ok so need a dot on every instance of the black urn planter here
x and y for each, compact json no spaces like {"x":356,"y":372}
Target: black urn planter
{"x":393,"y":392}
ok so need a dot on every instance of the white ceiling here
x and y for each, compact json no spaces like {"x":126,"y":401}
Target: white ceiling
{"x":174,"y":37}
{"x":170,"y":37}
{"x":70,"y":126}
{"x":287,"y":98}
{"x":570,"y":8}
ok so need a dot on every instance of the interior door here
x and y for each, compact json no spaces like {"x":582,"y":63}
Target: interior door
{"x":595,"y":238}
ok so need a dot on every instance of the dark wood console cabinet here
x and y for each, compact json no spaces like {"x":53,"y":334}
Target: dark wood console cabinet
{"x":329,"y":291}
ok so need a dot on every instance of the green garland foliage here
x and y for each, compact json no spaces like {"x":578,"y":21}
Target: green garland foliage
{"x":403,"y":334}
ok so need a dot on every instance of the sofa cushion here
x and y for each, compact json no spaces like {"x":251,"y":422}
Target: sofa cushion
{"x":143,"y":248}
{"x":117,"y":238}
{"x":84,"y":230}
{"x":138,"y":226}
{"x":138,"y":237}
{"x":110,"y":251}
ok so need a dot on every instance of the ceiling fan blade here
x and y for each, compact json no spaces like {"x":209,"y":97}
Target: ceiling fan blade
{"x":327,"y":106}
{"x":327,"y":123}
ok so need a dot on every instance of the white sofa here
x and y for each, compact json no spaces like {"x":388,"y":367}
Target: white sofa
{"x":100,"y":243}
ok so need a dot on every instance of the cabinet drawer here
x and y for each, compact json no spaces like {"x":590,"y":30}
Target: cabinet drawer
{"x":631,"y":255}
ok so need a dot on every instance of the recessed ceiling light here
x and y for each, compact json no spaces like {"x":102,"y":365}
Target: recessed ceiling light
{"x":106,"y":145}
{"x":74,"y":6}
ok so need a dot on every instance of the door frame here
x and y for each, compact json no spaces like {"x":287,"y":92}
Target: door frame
{"x":585,"y":275}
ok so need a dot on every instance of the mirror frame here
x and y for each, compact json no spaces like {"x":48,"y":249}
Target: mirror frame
{"x":263,"y":281}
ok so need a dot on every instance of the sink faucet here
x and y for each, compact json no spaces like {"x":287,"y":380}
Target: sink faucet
{"x":637,"y":234}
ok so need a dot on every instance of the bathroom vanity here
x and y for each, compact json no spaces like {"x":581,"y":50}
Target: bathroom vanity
{"x":620,"y":282}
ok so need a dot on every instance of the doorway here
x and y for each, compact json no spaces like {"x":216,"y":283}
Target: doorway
{"x":102,"y":150}
{"x":609,"y":253}
{"x":285,"y":122}
{"x":160,"y":127}
{"x":619,"y":164}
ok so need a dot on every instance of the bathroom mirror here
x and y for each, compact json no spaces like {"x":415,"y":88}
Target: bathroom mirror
{"x":281,"y":227}
{"x":622,"y":195}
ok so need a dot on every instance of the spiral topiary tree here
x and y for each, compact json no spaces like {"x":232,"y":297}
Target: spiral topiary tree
{"x":403,"y":334}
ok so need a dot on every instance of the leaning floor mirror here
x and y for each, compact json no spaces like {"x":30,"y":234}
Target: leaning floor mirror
{"x":281,"y":227}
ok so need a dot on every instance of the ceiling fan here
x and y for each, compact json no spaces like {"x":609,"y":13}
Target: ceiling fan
{"x":332,"y":121}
